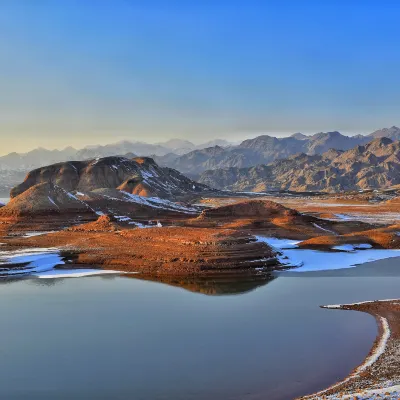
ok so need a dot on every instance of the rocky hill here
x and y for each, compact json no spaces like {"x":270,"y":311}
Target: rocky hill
{"x":191,"y":159}
{"x":370,"y":166}
{"x":267,"y":218}
{"x":43,"y":199}
{"x":260,"y":209}
{"x":137,"y":176}
{"x":135,"y":192}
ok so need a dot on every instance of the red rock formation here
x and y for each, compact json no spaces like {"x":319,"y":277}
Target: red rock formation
{"x":105,"y":223}
{"x":164,"y":251}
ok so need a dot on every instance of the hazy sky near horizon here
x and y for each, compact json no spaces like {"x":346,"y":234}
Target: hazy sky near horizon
{"x":78,"y":72}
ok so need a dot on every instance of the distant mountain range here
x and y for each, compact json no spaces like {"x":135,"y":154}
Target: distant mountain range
{"x":40,"y":157}
{"x":190,"y":159}
{"x":266,"y":149}
{"x":374,"y":165}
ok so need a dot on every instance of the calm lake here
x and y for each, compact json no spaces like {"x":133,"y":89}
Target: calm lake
{"x":124,"y":338}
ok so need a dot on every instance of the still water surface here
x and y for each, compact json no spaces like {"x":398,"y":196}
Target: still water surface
{"x":123,"y":338}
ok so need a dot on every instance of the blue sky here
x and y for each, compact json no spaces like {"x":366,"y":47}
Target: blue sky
{"x":94,"y":71}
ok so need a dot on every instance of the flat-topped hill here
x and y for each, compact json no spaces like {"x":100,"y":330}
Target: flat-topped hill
{"x":141,"y":176}
{"x":269,"y":218}
{"x":249,"y":209}
{"x":163,"y":251}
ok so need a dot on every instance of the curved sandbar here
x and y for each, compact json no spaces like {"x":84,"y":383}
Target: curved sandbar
{"x":379,"y":374}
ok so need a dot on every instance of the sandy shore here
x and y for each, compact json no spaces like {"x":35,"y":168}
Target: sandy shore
{"x":378,"y":377}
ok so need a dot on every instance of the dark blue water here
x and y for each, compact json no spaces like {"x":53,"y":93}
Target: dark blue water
{"x":123,"y":338}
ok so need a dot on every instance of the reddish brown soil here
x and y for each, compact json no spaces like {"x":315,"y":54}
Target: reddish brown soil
{"x":385,"y":237}
{"x":104,"y":223}
{"x":268,"y":218}
{"x":220,"y":240}
{"x":165,"y":251}
{"x":324,"y":206}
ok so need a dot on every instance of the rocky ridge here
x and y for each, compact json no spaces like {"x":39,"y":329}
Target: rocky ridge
{"x":375,"y":165}
{"x":263,"y":149}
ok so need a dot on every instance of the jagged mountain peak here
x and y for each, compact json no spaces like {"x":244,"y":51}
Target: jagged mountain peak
{"x":379,"y":142}
{"x":331,"y":134}
{"x":299,"y":136}
{"x":391,"y":133}
{"x":374,"y":165}
{"x":259,"y":139}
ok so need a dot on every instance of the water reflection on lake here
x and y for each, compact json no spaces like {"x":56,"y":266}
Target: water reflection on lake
{"x":124,"y":338}
{"x":215,"y":286}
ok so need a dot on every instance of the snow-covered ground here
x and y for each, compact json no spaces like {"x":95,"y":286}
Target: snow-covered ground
{"x":36,"y":233}
{"x":306,"y":260}
{"x":324,"y":229}
{"x":279,"y":243}
{"x":73,"y":273}
{"x":323,"y":204}
{"x":39,"y":260}
{"x":352,"y":247}
{"x":41,"y":263}
{"x":382,"y":393}
{"x":378,"y":217}
{"x":156,"y":202}
{"x":338,"y":306}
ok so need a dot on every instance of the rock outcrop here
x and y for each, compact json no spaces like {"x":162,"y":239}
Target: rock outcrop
{"x":105,"y":223}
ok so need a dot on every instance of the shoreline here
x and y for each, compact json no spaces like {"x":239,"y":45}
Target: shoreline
{"x":379,"y":374}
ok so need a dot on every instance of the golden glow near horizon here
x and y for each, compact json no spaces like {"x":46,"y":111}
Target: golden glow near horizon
{"x":99,"y":72}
